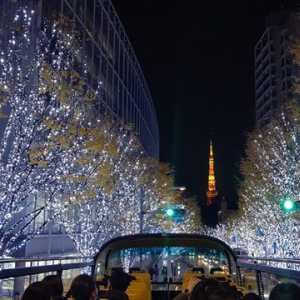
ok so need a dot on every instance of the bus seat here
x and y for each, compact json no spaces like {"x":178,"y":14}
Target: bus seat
{"x":132,"y":296}
{"x":188,"y":277}
{"x":239,"y":289}
{"x":216,"y":270}
{"x":133,"y":292}
{"x":198,"y":270}
{"x":224,"y":278}
{"x":101,"y":287}
{"x":142,"y":290}
{"x":144,"y":277}
{"x":220,"y":276}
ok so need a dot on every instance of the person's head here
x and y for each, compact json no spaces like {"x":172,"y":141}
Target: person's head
{"x":17,"y":296}
{"x":56,"y":284}
{"x":251,"y":296}
{"x":83,"y":288}
{"x":119,"y":280}
{"x":37,"y":291}
{"x":285,"y":291}
{"x":223,"y":294}
{"x":204,"y":289}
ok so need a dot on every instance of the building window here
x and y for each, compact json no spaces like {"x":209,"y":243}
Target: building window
{"x":283,"y":86}
{"x":274,"y":93}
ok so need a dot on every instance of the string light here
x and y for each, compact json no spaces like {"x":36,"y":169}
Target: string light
{"x":59,"y":161}
{"x":271,"y":172}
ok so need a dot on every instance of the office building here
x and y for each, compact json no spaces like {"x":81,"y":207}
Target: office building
{"x":274,"y":68}
{"x":109,"y":58}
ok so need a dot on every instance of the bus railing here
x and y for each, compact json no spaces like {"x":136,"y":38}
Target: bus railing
{"x":49,"y":265}
{"x":260,"y":274}
{"x":16,"y":274}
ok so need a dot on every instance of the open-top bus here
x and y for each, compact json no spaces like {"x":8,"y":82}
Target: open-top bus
{"x":160,"y":264}
{"x":163,"y":264}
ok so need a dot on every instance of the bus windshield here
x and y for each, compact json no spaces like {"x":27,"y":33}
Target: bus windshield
{"x":164,"y":263}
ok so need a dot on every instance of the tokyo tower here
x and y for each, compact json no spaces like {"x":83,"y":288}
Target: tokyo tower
{"x":212,"y":191}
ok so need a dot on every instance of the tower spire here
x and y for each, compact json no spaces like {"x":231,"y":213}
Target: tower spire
{"x":212,"y":191}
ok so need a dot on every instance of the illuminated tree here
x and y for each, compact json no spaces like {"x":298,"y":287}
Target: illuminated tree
{"x":59,"y":159}
{"x":271,"y":171}
{"x":23,"y":107}
{"x":115,"y":207}
{"x":55,"y":151}
{"x":112,"y":207}
{"x":223,"y":232}
{"x":157,"y":182}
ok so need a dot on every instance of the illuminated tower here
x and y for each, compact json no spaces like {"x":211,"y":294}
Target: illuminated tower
{"x":212,"y":191}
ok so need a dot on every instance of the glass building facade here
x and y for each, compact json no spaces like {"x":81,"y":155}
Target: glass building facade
{"x":109,"y":57}
{"x":104,"y":50}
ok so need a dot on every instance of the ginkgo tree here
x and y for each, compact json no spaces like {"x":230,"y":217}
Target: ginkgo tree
{"x":271,"y":173}
{"x":60,"y":160}
{"x":52,"y":155}
{"x":25,"y":182}
{"x":113,"y":208}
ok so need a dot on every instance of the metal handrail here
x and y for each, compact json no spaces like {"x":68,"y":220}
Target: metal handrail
{"x":287,"y":260}
{"x":259,"y":265}
{"x":24,"y":271}
{"x":292,"y":274}
{"x":31,"y":259}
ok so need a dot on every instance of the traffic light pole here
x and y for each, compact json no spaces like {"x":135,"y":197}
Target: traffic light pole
{"x":141,"y":212}
{"x":142,"y":194}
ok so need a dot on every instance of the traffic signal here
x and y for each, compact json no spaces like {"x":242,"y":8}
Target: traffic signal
{"x":170,"y":212}
{"x":290,"y":205}
{"x":175,"y":212}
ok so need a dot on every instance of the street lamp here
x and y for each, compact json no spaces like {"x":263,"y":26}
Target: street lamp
{"x":178,"y":188}
{"x":142,"y":195}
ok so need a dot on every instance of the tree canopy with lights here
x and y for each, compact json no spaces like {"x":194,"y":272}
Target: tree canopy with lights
{"x":271,"y":175}
{"x":60,"y":160}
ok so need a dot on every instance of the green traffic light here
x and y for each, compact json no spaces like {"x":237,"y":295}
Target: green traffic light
{"x":288,"y":204}
{"x":170,"y":212}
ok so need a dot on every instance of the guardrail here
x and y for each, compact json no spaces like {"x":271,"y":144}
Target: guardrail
{"x":261,"y":273}
{"x":267,"y":272}
{"x":16,"y":274}
{"x":32,"y":270}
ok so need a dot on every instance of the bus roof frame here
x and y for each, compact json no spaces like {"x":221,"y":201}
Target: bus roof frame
{"x":164,"y":240}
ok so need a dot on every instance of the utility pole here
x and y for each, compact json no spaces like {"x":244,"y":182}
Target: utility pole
{"x":142,"y":195}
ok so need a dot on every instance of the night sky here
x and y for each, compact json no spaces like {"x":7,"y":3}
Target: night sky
{"x":198,"y":60}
